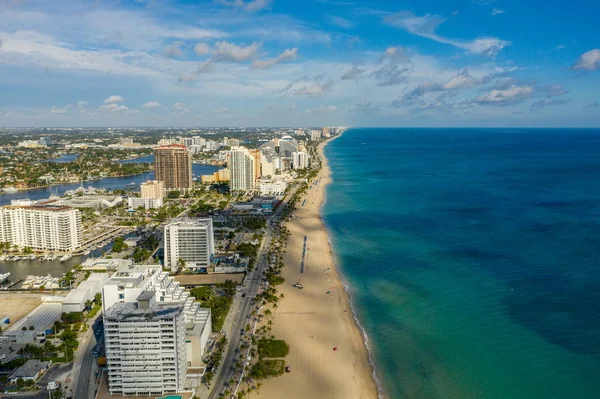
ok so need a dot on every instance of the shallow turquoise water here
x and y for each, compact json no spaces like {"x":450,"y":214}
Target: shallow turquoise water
{"x":473,"y":258}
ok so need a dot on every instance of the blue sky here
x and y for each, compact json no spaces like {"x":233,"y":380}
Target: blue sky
{"x":299,"y":63}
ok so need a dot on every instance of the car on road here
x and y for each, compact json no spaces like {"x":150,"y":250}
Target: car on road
{"x":95,"y":353}
{"x":244,"y":295}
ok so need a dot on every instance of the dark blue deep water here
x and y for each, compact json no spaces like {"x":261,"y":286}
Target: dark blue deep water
{"x":473,"y":257}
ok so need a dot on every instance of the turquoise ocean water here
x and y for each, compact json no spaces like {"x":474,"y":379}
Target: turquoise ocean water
{"x":473,"y":258}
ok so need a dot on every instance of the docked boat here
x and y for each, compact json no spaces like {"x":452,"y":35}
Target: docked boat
{"x":4,"y":277}
{"x":65,"y":258}
{"x":10,"y":189}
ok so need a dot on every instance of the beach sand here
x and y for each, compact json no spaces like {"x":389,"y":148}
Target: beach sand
{"x":313,"y":322}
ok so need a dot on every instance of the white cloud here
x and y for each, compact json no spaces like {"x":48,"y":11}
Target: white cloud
{"x":206,"y":67}
{"x":463,"y":80}
{"x":179,"y":106}
{"x":113,"y":107}
{"x":314,"y":89}
{"x":250,"y":6}
{"x":426,"y":25}
{"x":341,"y":22}
{"x":174,"y":50}
{"x":81,"y":105}
{"x":589,"y":61}
{"x":287,"y":55}
{"x":202,"y":49}
{"x":497,"y":11}
{"x":151,"y":104}
{"x":353,"y":73}
{"x":506,"y":96}
{"x":546,"y":102}
{"x":220,"y":110}
{"x":323,"y":109}
{"x":228,"y":52}
{"x":62,"y":110}
{"x":186,"y":77}
{"x":114,"y":99}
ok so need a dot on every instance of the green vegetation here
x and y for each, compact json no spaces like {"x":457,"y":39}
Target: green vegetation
{"x":267,"y":368}
{"x":218,"y":302}
{"x":119,"y":245}
{"x":276,"y":280}
{"x":268,"y":348}
{"x":248,"y":251}
{"x":145,"y":248}
{"x":255,"y":222}
{"x":214,"y":361}
{"x":174,"y":194}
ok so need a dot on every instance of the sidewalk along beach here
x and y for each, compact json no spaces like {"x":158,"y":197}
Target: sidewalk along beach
{"x":328,"y":356}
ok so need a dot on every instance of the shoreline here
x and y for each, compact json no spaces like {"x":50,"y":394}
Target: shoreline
{"x":329,"y":350}
{"x":345,"y":284}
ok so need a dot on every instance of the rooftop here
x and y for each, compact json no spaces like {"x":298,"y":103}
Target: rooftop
{"x":40,"y":318}
{"x":129,"y":311}
{"x":29,"y":369}
{"x":190,"y":222}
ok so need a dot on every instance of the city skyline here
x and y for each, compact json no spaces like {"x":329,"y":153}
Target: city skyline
{"x":277,"y":63}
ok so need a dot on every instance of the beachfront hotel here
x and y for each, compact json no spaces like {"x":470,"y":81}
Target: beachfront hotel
{"x":145,"y":347}
{"x":191,"y":240}
{"x":242,"y":164}
{"x":51,"y":228}
{"x":173,"y":166}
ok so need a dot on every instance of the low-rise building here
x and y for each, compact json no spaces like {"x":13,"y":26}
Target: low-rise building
{"x":146,"y":203}
{"x":76,"y":300}
{"x":32,"y":370}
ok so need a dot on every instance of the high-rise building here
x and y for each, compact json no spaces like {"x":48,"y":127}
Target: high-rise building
{"x":199,"y":141}
{"x":287,"y":145}
{"x":191,"y":240}
{"x":315,"y":135}
{"x":300,"y":160}
{"x":153,"y":189}
{"x":326,"y":132}
{"x":173,"y":165}
{"x":233,"y":142}
{"x":257,"y":169}
{"x":241,"y":168}
{"x":52,"y":228}
{"x":145,"y":345}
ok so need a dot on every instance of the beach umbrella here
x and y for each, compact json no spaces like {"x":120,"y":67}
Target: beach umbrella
{"x":335,"y":349}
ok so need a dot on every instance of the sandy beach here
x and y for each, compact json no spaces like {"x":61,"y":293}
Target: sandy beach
{"x":313,"y":321}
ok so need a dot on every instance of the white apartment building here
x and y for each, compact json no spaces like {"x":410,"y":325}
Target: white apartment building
{"x":120,"y":294}
{"x":276,"y":187}
{"x":300,"y":160}
{"x":241,"y":167}
{"x":153,"y":189}
{"x":233,"y":143}
{"x":52,"y":228}
{"x":145,"y":347}
{"x":189,"y":239}
{"x":147,"y":203}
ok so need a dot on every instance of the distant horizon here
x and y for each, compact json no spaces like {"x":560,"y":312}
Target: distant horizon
{"x":299,"y":127}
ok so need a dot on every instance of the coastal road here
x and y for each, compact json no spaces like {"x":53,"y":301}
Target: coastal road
{"x":251,"y":286}
{"x":86,"y":366}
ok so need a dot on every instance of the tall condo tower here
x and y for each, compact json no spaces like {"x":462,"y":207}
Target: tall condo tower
{"x":173,"y":165}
